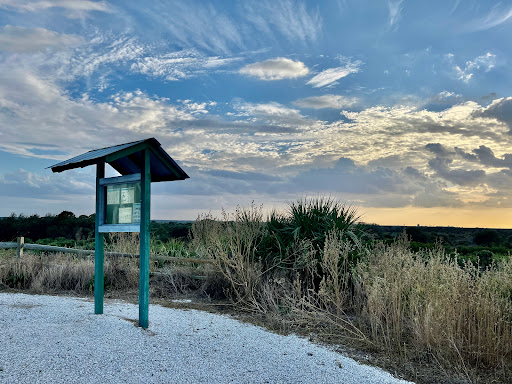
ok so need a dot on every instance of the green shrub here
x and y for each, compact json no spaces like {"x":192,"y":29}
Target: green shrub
{"x":306,"y":220}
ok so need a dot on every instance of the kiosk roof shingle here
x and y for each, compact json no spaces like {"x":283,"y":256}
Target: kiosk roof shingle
{"x":127,"y":159}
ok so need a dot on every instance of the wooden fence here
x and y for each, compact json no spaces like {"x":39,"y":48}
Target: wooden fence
{"x":20,"y":246}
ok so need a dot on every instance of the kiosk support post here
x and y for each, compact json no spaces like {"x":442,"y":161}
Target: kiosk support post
{"x":144,"y":241}
{"x":99,"y":244}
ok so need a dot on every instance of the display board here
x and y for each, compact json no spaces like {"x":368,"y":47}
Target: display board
{"x":122,"y":204}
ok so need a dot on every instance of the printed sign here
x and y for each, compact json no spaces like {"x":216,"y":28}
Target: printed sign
{"x":113,"y":192}
{"x":136,"y":213}
{"x":127,"y":195}
{"x":125,"y":215}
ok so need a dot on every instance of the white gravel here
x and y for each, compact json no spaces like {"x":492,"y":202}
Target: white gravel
{"x":50,"y":339}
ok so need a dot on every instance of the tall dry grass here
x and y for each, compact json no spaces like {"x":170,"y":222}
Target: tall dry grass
{"x":232,"y":243}
{"x":422,"y":306}
{"x":49,"y":272}
{"x":426,"y":302}
{"x":43,"y":273}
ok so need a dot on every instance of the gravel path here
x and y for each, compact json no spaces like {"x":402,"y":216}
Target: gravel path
{"x":50,"y":339}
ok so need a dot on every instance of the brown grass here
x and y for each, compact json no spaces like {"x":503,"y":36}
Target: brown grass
{"x":417,"y":306}
{"x":425,"y":303}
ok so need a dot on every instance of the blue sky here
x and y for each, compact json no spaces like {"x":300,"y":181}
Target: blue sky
{"x":402,"y":108}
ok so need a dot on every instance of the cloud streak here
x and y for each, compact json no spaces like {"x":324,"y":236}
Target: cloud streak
{"x":331,"y":75}
{"x":497,"y":15}
{"x":395,"y":9}
{"x":179,"y":65}
{"x":291,"y":19}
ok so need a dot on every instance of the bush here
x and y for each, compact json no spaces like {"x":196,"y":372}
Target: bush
{"x":306,"y":220}
{"x":487,"y":237}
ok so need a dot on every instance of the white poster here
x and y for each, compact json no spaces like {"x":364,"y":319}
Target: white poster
{"x":125,"y":215}
{"x":113,"y":192}
{"x":127,"y":195}
{"x":136,"y":213}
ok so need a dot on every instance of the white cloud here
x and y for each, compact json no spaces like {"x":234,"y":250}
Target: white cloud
{"x":273,"y":113}
{"x":290,"y":18}
{"x":485,"y":63}
{"x":395,"y":10}
{"x":35,"y":110}
{"x":20,"y":39}
{"x":179,"y":65}
{"x":498,"y":15}
{"x":101,"y":52}
{"x":197,"y":108}
{"x":331,"y":75}
{"x":38,"y":111}
{"x":326,"y":101}
{"x":276,"y":69}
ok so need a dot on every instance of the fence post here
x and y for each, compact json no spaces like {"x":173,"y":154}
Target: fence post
{"x":21,"y":245}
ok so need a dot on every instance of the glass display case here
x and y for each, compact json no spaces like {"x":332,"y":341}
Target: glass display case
{"x":122,"y":204}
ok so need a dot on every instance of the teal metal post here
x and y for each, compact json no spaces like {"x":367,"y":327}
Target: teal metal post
{"x":144,"y":241}
{"x":98,"y":244}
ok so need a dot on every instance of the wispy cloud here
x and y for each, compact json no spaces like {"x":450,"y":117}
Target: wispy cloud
{"x":395,"y":9}
{"x":331,"y":75}
{"x":20,"y":39}
{"x":276,"y":69}
{"x":272,"y":113}
{"x":75,"y":8}
{"x":292,"y":19}
{"x":179,"y":65}
{"x":498,"y":15}
{"x":326,"y":101}
{"x":105,"y":50}
{"x":199,"y":25}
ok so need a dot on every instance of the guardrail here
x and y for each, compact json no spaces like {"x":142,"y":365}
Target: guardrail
{"x":20,"y":246}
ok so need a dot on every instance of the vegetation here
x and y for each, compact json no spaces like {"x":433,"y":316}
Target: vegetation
{"x":425,"y":306}
{"x":440,"y":297}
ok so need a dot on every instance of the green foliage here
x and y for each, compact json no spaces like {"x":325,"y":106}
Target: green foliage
{"x":17,"y":280}
{"x":485,"y":258}
{"x":172,"y":248}
{"x":486,"y":237}
{"x":64,"y":225}
{"x":306,"y":220}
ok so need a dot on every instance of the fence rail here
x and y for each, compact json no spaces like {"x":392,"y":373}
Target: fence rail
{"x":20,"y":245}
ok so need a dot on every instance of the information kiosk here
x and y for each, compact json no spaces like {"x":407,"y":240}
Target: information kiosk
{"x":123,"y":203}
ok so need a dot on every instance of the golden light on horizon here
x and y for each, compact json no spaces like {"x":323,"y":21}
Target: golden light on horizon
{"x":439,"y":217}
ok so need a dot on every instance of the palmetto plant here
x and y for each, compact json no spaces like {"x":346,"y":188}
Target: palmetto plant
{"x":306,"y":222}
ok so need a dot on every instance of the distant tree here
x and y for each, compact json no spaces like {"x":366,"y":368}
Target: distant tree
{"x":66,"y":215}
{"x":487,"y":237}
{"x":418,"y":235}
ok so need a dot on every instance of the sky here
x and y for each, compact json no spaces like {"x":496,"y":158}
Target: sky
{"x":400,"y":108}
